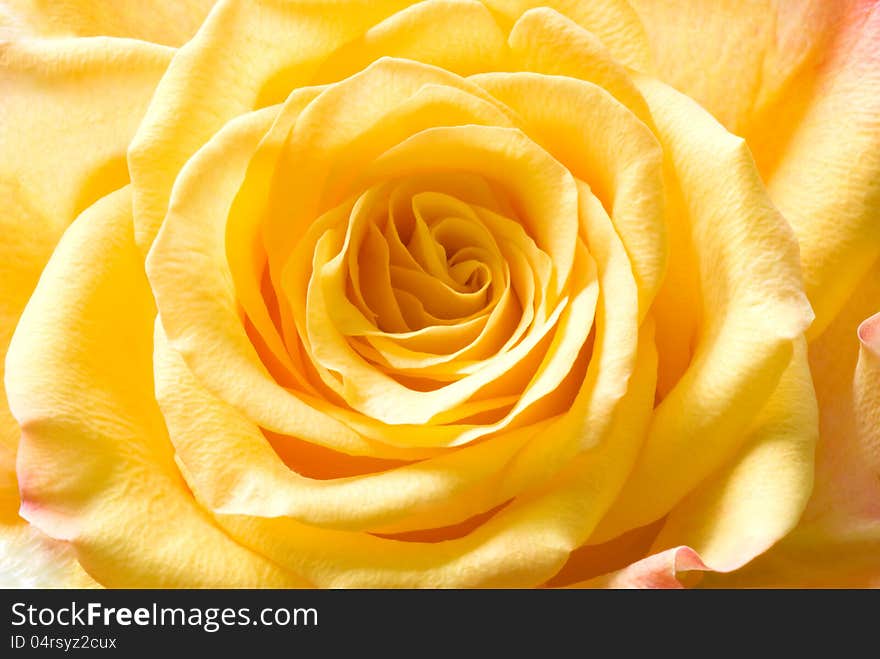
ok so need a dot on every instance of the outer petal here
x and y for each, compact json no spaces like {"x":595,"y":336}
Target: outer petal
{"x":70,"y":108}
{"x":837,"y":543}
{"x":747,"y":506}
{"x":814,"y":556}
{"x":170,"y":23}
{"x":98,"y":470}
{"x":826,"y":181}
{"x":801,"y":82}
{"x":753,"y":307}
{"x":734,"y":57}
{"x":66,"y":101}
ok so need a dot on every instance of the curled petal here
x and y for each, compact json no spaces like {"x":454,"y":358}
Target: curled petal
{"x":660,"y":570}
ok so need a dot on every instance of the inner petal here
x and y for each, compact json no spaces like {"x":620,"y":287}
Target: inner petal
{"x":431,"y":262}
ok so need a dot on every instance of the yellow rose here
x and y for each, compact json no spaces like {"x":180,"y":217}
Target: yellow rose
{"x":449,"y":293}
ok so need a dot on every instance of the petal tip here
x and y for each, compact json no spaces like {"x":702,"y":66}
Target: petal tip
{"x":869,"y":334}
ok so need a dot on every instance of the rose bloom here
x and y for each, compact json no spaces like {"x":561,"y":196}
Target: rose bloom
{"x":454,"y":293}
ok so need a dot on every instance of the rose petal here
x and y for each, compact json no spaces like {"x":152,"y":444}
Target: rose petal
{"x":544,"y":41}
{"x":602,"y":143}
{"x":732,"y":58}
{"x":456,"y":35}
{"x":801,"y":82}
{"x":846,"y":369}
{"x":523,"y":544}
{"x":827,"y":181}
{"x":31,"y":559}
{"x":613,"y":21}
{"x":837,"y":543}
{"x":440,"y":491}
{"x":34,"y":560}
{"x":752,"y":308}
{"x":657,"y":571}
{"x":205,"y":313}
{"x":149,"y":20}
{"x":98,"y":469}
{"x":52,"y":93}
{"x":739,"y":512}
{"x":72,"y":101}
{"x":223,"y":71}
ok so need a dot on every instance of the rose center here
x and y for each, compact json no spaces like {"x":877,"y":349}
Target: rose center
{"x":429,"y":261}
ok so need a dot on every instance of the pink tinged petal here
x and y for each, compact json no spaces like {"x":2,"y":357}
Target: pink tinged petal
{"x":663,"y":570}
{"x":846,"y":370}
{"x":866,"y":403}
{"x":837,"y":542}
{"x":826,"y":177}
{"x":869,"y":335}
